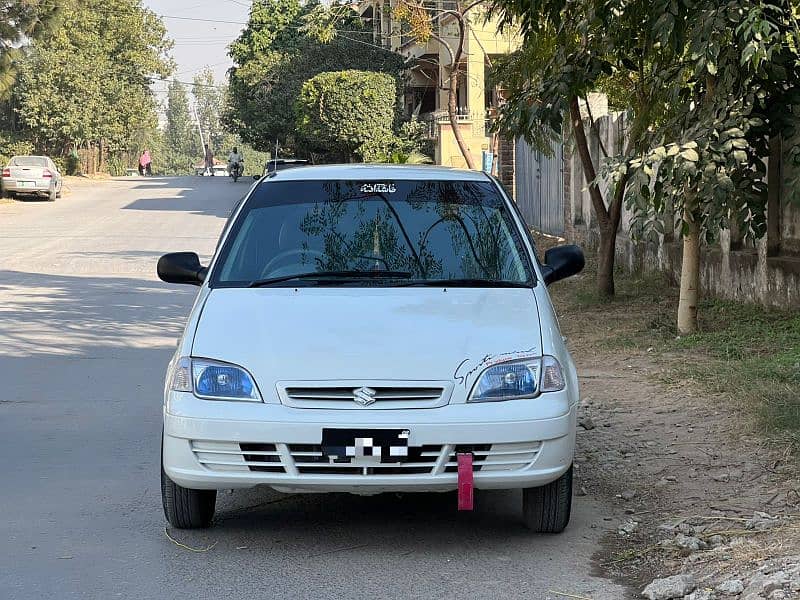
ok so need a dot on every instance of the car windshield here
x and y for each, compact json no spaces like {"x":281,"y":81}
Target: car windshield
{"x":394,"y":233}
{"x":29,"y":161}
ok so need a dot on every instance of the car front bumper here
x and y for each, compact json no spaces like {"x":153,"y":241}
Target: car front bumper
{"x":510,"y":448}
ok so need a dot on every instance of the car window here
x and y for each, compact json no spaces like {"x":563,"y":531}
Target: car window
{"x":528,"y":233}
{"x":29,"y":161}
{"x":431,"y":230}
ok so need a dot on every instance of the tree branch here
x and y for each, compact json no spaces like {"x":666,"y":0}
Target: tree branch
{"x":595,"y":129}
{"x":589,"y":172}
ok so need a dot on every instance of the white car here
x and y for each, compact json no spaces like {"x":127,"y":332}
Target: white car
{"x":368,"y":329}
{"x":32,"y":175}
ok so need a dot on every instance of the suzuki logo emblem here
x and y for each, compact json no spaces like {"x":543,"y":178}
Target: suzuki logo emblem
{"x":364,"y":396}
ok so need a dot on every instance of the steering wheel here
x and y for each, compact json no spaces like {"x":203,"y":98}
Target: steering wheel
{"x":286,"y":254}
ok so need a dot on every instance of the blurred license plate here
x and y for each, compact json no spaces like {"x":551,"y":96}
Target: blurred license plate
{"x":26,"y":184}
{"x":345,"y":445}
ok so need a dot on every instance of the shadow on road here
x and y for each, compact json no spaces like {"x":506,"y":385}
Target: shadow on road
{"x":83,"y":316}
{"x":201,"y":196}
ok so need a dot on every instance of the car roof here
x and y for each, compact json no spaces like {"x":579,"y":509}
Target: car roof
{"x":358,"y":172}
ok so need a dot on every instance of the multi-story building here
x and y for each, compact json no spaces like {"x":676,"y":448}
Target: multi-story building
{"x":426,"y":94}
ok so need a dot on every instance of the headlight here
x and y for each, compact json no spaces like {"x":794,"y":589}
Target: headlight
{"x":519,"y":379}
{"x":213,"y":380}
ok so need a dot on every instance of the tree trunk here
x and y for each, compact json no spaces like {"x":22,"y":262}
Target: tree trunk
{"x":690,"y":264}
{"x":452,"y":113}
{"x":607,"y":218}
{"x":605,"y":261}
{"x":690,"y":277}
{"x":452,"y":91}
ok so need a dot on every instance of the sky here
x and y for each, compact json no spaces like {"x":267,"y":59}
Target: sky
{"x":199,"y":43}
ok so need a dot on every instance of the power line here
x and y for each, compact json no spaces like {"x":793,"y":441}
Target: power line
{"x":201,"y":19}
{"x":192,"y":84}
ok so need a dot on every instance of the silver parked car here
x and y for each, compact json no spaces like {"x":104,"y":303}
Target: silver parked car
{"x":35,"y":175}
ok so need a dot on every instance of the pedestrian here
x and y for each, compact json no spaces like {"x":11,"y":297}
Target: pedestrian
{"x":145,"y":163}
{"x":209,"y":158}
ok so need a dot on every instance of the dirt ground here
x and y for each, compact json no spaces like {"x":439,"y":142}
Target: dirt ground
{"x":681,"y":465}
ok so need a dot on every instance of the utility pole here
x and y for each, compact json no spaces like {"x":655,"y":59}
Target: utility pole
{"x":202,"y":141}
{"x":199,"y":128}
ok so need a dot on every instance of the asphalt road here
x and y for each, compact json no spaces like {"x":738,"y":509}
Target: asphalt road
{"x":86,"y":330}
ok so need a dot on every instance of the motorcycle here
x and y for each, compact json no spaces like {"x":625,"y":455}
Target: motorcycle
{"x":236,"y":171}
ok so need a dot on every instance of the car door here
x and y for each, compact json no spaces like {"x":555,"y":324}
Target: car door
{"x":56,"y":174}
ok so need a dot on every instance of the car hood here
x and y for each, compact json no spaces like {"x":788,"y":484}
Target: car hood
{"x":287,"y":334}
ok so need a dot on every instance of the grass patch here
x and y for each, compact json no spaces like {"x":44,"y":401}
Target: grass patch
{"x":755,"y":356}
{"x":746,"y":352}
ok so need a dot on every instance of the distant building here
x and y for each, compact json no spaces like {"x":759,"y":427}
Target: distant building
{"x":424,"y":96}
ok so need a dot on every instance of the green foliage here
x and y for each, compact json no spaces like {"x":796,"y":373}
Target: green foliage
{"x":707,"y":84}
{"x":209,"y":100}
{"x":274,"y":57}
{"x":348,"y":112}
{"x":254,"y":160}
{"x":181,"y":142}
{"x":572,"y":49}
{"x":739,"y":88}
{"x":407,"y":146}
{"x":21,"y":22}
{"x":413,"y":157}
{"x":89,"y":81}
{"x":12,"y":146}
{"x":748,"y":354}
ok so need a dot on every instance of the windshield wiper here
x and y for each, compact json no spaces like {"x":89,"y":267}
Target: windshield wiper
{"x":338,"y":275}
{"x":466,"y":282}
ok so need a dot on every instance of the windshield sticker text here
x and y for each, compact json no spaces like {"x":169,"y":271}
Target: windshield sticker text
{"x":380,"y":188}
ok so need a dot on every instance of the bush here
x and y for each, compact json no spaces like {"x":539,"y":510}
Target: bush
{"x":408,"y":146}
{"x":348,"y":113}
{"x":72,"y":164}
{"x":13,"y":146}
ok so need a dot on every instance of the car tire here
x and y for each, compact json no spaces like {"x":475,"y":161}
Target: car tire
{"x":52,"y":195}
{"x":546,"y":509}
{"x":185,"y":508}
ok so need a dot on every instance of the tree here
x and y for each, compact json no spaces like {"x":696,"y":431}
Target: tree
{"x":348,"y":112}
{"x":425,"y":20}
{"x":570,"y":50}
{"x":20,"y":24}
{"x":181,"y":143}
{"x":88,"y":83}
{"x":209,"y":101}
{"x":736,"y":95}
{"x":273,"y":57}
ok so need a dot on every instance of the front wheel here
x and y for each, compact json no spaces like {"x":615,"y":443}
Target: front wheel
{"x":185,"y":508}
{"x":546,"y":509}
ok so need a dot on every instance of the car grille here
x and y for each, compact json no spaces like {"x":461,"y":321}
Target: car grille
{"x":308,"y":459}
{"x":392,"y":396}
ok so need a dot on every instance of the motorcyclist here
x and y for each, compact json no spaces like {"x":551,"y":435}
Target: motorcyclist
{"x":235,"y":161}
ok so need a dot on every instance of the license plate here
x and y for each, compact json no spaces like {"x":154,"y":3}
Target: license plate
{"x":26,"y":184}
{"x":356,"y":445}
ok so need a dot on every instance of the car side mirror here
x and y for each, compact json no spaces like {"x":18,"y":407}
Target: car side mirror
{"x":562,"y":262}
{"x":181,"y":267}
{"x":256,"y":177}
